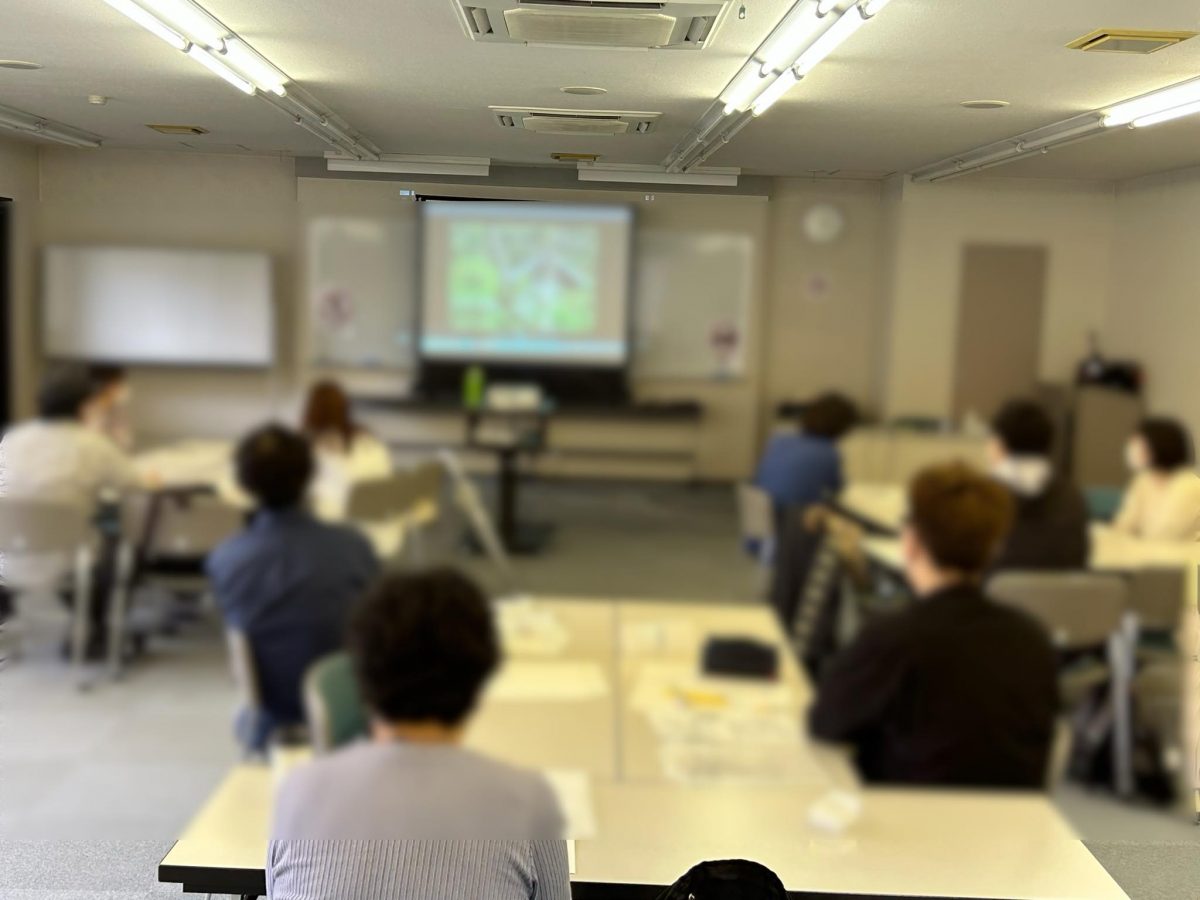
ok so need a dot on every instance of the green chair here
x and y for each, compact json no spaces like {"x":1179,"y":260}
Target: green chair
{"x":332,"y":704}
{"x":1103,"y":502}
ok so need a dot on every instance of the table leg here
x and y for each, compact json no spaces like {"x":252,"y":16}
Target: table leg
{"x":507,"y":487}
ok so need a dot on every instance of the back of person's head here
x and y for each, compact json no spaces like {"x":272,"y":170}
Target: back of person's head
{"x":423,"y":646}
{"x":1024,"y":428}
{"x":829,"y":416}
{"x":274,"y":465}
{"x":327,"y":411}
{"x":959,"y":516}
{"x":106,"y":376}
{"x":65,"y":393}
{"x":1168,"y":444}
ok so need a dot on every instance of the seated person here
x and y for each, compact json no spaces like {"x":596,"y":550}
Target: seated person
{"x":346,"y":452}
{"x":1162,"y":503}
{"x":443,"y":821}
{"x":288,"y":581}
{"x":801,"y":469}
{"x":1051,"y":526}
{"x":956,"y":690}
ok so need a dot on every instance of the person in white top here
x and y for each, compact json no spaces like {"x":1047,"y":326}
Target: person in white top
{"x":1162,"y":502}
{"x":346,"y":452}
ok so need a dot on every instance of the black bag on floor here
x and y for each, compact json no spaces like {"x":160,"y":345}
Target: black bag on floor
{"x":727,"y":879}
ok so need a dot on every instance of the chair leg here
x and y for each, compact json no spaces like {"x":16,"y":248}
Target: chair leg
{"x":1122,"y":706}
{"x":118,"y":607}
{"x":79,"y":619}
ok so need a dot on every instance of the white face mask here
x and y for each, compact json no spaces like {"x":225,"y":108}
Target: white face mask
{"x":1135,"y":456}
{"x":1024,"y":475}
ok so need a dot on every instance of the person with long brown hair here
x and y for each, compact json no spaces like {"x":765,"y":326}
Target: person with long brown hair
{"x":346,"y":452}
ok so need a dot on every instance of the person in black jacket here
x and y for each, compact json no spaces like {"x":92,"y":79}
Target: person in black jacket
{"x":1050,"y":530}
{"x":956,"y":690}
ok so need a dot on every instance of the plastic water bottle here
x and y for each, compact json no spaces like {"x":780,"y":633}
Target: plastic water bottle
{"x":474,"y":382}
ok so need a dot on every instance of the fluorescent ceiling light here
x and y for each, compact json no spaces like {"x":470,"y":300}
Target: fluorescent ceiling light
{"x":474,"y":166}
{"x":254,"y":67}
{"x":744,"y":89}
{"x":838,"y":33}
{"x":825,"y":6}
{"x":613,"y":172}
{"x":149,"y":22}
{"x":782,"y":85}
{"x":1152,"y":104}
{"x":1188,"y":109}
{"x":214,"y":65}
{"x":189,"y":19}
{"x":793,"y":35}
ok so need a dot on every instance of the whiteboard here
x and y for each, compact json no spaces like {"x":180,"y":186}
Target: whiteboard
{"x":692,"y":300}
{"x":362,"y":291}
{"x":158,"y":306}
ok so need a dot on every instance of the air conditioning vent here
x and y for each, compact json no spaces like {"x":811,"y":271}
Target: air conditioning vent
{"x":619,"y":24}
{"x":575,"y":122}
{"x":1127,"y":40}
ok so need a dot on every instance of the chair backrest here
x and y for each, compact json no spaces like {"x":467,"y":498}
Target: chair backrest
{"x":1157,"y":596}
{"x":184,"y":526}
{"x":756,"y":513}
{"x":332,"y":704}
{"x":245,"y":672}
{"x":1079,"y":609}
{"x":36,"y":527}
{"x":391,"y":497}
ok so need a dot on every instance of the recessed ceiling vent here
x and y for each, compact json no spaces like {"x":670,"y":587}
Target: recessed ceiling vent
{"x":618,"y":24}
{"x":191,"y":130}
{"x":590,"y":123}
{"x":1125,"y":40}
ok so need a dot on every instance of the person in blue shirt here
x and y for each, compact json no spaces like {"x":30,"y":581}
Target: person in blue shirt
{"x":289,"y":581}
{"x":798,"y":470}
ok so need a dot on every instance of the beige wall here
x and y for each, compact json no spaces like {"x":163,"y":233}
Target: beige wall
{"x":19,"y":182}
{"x":932,"y":223}
{"x":1153,"y":312}
{"x":185,"y":200}
{"x":823,"y":303}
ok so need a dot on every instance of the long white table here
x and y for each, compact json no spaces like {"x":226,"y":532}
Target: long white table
{"x":652,"y":827}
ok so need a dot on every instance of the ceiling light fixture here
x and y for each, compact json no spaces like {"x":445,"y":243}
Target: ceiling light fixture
{"x":399,"y":164}
{"x":808,"y":33}
{"x":218,"y":68}
{"x":264,"y":75}
{"x":194,"y":23}
{"x":631,"y":174}
{"x":36,"y":126}
{"x":148,"y":21}
{"x":1154,"y":103}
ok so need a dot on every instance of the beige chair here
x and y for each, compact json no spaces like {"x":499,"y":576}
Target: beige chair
{"x":42,"y":543}
{"x":395,"y":511}
{"x":1083,"y":611}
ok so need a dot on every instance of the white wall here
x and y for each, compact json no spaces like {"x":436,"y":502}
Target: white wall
{"x":1153,"y":309}
{"x":19,"y":182}
{"x":932,"y":223}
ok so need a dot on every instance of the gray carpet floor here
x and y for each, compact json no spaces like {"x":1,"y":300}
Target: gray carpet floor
{"x":94,"y":786}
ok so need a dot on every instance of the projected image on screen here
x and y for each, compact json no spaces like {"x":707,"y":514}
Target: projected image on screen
{"x":525,"y":282}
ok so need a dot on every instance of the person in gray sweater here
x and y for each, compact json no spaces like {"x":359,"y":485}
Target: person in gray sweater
{"x":410,"y":812}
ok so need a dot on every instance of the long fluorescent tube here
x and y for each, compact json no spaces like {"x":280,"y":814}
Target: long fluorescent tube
{"x":254,"y":67}
{"x":841,"y":30}
{"x":331,"y":140}
{"x":214,"y":65}
{"x":473,"y":166}
{"x":632,"y":174}
{"x":1189,"y":109}
{"x":782,"y":85}
{"x":743,"y":91}
{"x":786,"y":43}
{"x":1151,"y":104}
{"x":824,"y":7}
{"x":149,"y":22}
{"x":189,"y":19}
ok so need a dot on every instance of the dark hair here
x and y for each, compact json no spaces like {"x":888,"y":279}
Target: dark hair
{"x":830,"y":416}
{"x":423,"y":646}
{"x":328,"y":410}
{"x":274,"y":464}
{"x":64,"y":392}
{"x":960,"y":515}
{"x":1169,"y":444}
{"x":105,"y":375}
{"x":1024,"y":428}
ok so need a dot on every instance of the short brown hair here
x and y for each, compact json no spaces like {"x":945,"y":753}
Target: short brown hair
{"x":960,"y":515}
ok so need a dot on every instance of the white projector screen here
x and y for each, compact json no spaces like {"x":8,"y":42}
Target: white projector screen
{"x":157,"y":306}
{"x":525,"y":282}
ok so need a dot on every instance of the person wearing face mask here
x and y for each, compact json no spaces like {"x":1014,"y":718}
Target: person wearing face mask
{"x":1050,"y":530}
{"x":1162,"y":502}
